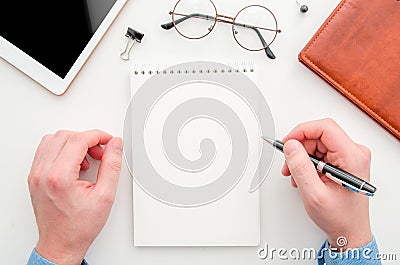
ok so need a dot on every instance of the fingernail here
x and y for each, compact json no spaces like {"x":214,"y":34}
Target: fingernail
{"x":117,"y":143}
{"x":291,"y":147}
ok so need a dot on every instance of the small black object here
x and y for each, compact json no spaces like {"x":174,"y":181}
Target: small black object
{"x":304,"y":9}
{"x":133,"y":36}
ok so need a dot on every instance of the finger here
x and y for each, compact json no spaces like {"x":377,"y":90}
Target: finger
{"x":294,"y":185}
{"x":285,"y":170}
{"x":109,"y":170}
{"x":313,"y":147}
{"x":319,"y":155}
{"x":325,"y":179}
{"x":331,"y":135}
{"x":85,"y":164}
{"x":96,"y":152}
{"x":40,"y":150}
{"x":55,"y":145}
{"x":77,"y":146}
{"x":321,"y":147}
{"x":36,"y":166}
{"x":302,"y":170}
{"x":310,"y":145}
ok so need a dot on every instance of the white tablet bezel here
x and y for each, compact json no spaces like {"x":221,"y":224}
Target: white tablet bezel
{"x":43,"y":75}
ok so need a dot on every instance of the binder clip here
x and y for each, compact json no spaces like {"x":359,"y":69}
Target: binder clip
{"x":133,"y":37}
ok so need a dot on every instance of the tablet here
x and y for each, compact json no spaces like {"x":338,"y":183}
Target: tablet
{"x":50,"y":41}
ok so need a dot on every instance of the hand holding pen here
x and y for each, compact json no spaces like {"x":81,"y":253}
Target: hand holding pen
{"x":336,"y":210}
{"x":336,"y":174}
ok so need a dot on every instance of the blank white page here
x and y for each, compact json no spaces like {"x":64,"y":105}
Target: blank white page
{"x":233,"y":220}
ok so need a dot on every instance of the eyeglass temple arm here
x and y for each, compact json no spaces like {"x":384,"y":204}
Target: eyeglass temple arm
{"x":171,"y":24}
{"x":268,"y":51}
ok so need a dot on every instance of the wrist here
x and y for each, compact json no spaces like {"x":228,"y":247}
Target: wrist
{"x":346,"y":241}
{"x":60,"y":255}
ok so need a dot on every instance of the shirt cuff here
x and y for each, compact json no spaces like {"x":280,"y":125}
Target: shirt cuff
{"x":36,"y":259}
{"x":365,"y":255}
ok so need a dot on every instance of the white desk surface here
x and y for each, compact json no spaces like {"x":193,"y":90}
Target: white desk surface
{"x":98,"y":99}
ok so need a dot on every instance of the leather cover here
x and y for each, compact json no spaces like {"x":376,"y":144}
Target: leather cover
{"x":357,"y":51}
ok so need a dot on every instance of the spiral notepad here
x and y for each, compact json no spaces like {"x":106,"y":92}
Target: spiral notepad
{"x":177,"y":139}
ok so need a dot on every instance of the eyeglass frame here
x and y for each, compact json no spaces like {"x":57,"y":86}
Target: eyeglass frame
{"x":228,"y":20}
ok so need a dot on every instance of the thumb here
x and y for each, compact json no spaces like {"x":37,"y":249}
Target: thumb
{"x":110,"y":168}
{"x":302,"y":169}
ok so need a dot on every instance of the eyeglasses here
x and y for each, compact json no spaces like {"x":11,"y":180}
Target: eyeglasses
{"x":254,"y":27}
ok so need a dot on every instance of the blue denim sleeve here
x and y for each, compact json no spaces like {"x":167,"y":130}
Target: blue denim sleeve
{"x":366,"y":255}
{"x":36,"y":259}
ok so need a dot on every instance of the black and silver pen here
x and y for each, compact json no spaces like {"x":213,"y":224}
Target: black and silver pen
{"x":339,"y":176}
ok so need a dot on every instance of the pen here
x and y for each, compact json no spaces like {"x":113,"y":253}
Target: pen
{"x":338,"y":175}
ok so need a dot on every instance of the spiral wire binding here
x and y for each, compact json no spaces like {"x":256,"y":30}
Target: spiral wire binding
{"x":149,"y":69}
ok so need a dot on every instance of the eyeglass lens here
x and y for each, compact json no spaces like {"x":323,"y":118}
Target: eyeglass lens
{"x":200,"y":16}
{"x":252,"y":23}
{"x":254,"y":27}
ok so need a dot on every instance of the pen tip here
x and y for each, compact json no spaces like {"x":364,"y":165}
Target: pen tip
{"x":269,"y":140}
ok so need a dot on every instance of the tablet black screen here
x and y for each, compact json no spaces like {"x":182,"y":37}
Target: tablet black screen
{"x":54,"y":33}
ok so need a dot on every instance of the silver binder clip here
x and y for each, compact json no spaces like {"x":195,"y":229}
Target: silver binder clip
{"x":133,"y":37}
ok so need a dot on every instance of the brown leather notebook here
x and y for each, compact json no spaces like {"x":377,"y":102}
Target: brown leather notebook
{"x":357,"y":51}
